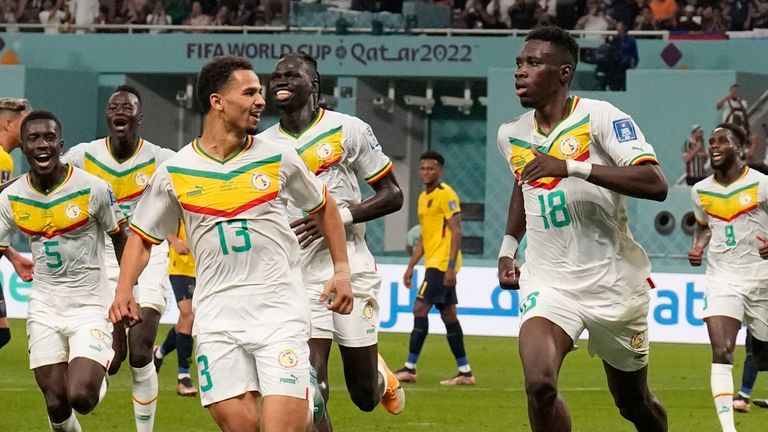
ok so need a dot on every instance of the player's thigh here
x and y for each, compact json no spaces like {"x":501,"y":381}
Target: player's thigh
{"x":721,"y":298}
{"x":84,"y":376}
{"x":241,"y":413}
{"x":360,"y":328}
{"x":52,"y":381}
{"x":225,"y":369}
{"x":619,"y":334}
{"x":432,"y":289}
{"x":92,"y":340}
{"x":46,"y":345}
{"x":284,"y":414}
{"x":183,"y":287}
{"x":151,"y":290}
{"x":141,"y":337}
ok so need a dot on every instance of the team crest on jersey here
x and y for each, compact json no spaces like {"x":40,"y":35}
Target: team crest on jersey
{"x":637,"y":340}
{"x":368,"y":310}
{"x":624,"y":130}
{"x":141,"y":179}
{"x":72,"y":211}
{"x":569,"y":146}
{"x":288,"y":359}
{"x":324,"y":151}
{"x":97,"y":334}
{"x":745,"y":199}
{"x":260,"y":181}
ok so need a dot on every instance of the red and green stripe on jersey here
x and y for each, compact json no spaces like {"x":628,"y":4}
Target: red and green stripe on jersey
{"x":729,"y":206}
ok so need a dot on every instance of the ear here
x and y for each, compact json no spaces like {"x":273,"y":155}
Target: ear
{"x":566,"y":73}
{"x":141,"y":117}
{"x":215,"y":100}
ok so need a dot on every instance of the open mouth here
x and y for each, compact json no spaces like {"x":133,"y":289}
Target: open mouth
{"x":43,"y":158}
{"x":256,"y":115}
{"x":716,"y":156}
{"x":520,"y":89}
{"x":119,"y":124}
{"x":282,"y":95}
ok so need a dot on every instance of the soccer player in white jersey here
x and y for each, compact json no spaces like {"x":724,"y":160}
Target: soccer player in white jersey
{"x":576,"y":160}
{"x":251,"y":312}
{"x":338,"y":148}
{"x":731,"y":209}
{"x":64,"y":212}
{"x":126,"y":161}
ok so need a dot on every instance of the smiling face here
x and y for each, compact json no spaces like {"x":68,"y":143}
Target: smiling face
{"x":542,"y":72}
{"x":724,"y":149}
{"x":41,"y":144}
{"x":240,"y":101}
{"x":123,"y":114}
{"x":292,"y":84}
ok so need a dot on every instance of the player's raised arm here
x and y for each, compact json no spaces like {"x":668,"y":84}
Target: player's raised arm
{"x":508,"y":269}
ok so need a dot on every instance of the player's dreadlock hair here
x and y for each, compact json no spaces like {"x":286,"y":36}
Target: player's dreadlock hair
{"x":558,"y":37}
{"x":312,"y":63}
{"x":737,"y":131}
{"x":128,"y":89}
{"x":215,"y":75}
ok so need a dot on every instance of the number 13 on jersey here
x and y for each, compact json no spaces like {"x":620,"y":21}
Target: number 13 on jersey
{"x":233,"y":236}
{"x":554,"y":213}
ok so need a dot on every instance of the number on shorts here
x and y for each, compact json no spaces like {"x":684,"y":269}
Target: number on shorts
{"x":54,"y":257}
{"x":202,"y":361}
{"x":558,"y":212}
{"x":241,"y":231}
{"x":529,"y":302}
{"x":730,"y":236}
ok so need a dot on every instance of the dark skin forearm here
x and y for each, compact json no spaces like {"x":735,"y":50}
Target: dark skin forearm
{"x":387,"y":199}
{"x":118,"y":241}
{"x":642,"y":181}
{"x":516,"y":213}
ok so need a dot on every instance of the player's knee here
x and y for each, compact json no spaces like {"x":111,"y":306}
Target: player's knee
{"x":82,"y":400}
{"x":117,"y":361}
{"x":5,"y":336}
{"x":364,"y":397}
{"x":58,"y":408}
{"x":634,"y":409}
{"x":722,"y":353}
{"x":541,"y":391}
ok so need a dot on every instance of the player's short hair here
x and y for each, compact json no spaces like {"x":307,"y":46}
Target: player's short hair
{"x":215,"y":75}
{"x":13,"y":105}
{"x":433,"y":155}
{"x":308,"y":60}
{"x":128,"y":89}
{"x":41,"y":115}
{"x":737,"y":131}
{"x":559,"y":38}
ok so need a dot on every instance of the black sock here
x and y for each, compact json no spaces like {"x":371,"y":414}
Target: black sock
{"x":184,"y":344}
{"x":170,"y":342}
{"x":418,"y":336}
{"x":5,"y":336}
{"x":456,"y":342}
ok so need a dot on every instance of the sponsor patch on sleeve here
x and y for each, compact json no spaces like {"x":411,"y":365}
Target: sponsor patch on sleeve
{"x":452,"y":205}
{"x":624,"y":130}
{"x":371,"y":138}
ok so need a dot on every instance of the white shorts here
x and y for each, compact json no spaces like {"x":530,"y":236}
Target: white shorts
{"x":152,"y":289}
{"x":69,"y":338}
{"x":228,"y":366}
{"x":358,"y":329}
{"x":621,"y":341}
{"x":744,"y":302}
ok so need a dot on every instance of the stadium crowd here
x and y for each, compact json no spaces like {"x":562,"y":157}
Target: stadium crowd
{"x":708,"y":16}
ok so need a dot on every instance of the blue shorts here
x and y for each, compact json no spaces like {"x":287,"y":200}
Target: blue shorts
{"x":433,"y":291}
{"x":183,"y":287}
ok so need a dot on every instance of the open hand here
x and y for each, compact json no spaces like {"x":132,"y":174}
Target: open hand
{"x":307,"y":230}
{"x":543,"y":165}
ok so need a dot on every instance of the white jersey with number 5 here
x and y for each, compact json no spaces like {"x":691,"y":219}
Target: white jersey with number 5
{"x":736,"y":214}
{"x":579,"y":240}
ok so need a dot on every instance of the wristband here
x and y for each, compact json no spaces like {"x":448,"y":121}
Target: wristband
{"x":346,"y":215}
{"x":452,"y":264}
{"x":341,"y":267}
{"x":508,"y":247}
{"x":578,"y":169}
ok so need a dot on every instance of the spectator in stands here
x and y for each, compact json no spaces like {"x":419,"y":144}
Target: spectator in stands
{"x":84,"y":12}
{"x":364,"y":5}
{"x":476,"y":15}
{"x":626,"y":47}
{"x":644,"y":20}
{"x":178,"y":10}
{"x":222,"y":17}
{"x":739,"y":14}
{"x":135,"y":11}
{"x":689,"y":21}
{"x":734,"y":108}
{"x":695,"y":156}
{"x":594,"y":20}
{"x":246,"y":13}
{"x":713,"y":20}
{"x":276,"y":11}
{"x":664,"y":13}
{"x":624,"y":11}
{"x":8,"y":17}
{"x":525,"y":14}
{"x":53,"y":16}
{"x":158,"y":17}
{"x":197,"y":17}
{"x":499,"y":10}
{"x":759,"y":18}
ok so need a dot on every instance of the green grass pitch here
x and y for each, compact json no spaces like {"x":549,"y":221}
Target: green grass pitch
{"x":679,"y":375}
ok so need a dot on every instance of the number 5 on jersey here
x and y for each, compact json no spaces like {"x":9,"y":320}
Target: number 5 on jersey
{"x":553,"y":210}
{"x":233,"y":236}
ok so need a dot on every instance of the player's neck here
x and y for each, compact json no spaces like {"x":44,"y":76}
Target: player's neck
{"x":123,"y":148}
{"x":219,"y":141}
{"x":432,"y":186}
{"x":297,"y":121}
{"x":46,"y":182}
{"x":731,"y":174}
{"x":551,"y":114}
{"x":6,"y":143}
